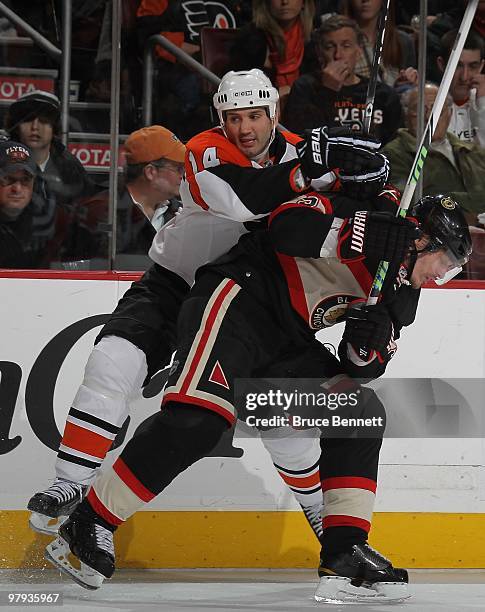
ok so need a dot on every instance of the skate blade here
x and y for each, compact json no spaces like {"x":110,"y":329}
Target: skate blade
{"x":339,"y":590}
{"x":45,"y":524}
{"x":57,"y":553}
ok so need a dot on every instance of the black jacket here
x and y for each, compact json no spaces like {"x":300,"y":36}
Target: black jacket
{"x":25,"y":241}
{"x":311,"y":105}
{"x":66,"y":178}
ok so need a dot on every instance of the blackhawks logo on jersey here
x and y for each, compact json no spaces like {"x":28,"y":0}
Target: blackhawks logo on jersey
{"x":329,"y":311}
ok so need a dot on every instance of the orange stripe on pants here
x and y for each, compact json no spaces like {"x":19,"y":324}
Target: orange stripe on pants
{"x":86,"y":441}
{"x":303,"y":481}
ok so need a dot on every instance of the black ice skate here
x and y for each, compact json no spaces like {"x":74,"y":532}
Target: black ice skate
{"x":91,"y":544}
{"x":360,"y":576}
{"x":51,"y":507}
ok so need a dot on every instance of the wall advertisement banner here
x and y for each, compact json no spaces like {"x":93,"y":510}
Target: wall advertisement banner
{"x":49,"y":325}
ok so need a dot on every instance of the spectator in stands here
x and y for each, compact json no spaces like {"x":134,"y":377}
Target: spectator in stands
{"x":178,"y":94}
{"x":467,"y":87}
{"x":146,"y":200}
{"x":444,"y":22}
{"x":27,"y":222}
{"x":34,"y":120}
{"x":278,"y":41}
{"x":452,"y":166}
{"x":398,"y":53}
{"x":335,"y":95}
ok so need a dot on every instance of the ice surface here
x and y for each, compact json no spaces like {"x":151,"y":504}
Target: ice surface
{"x":235,"y":590}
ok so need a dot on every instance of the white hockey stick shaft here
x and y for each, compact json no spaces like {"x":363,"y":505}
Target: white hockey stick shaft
{"x":422,"y":150}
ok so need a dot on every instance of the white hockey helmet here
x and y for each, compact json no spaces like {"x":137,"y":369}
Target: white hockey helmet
{"x":244,"y":89}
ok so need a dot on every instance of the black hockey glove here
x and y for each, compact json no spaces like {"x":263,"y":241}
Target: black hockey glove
{"x":369,"y":327}
{"x":324,"y":149}
{"x":376,"y":235}
{"x":370,"y":181}
{"x":388,"y":199}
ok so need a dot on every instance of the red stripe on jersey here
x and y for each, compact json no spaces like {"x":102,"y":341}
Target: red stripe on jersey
{"x":290,"y":137}
{"x":101,"y":510}
{"x":362,"y":275}
{"x":282,"y":208}
{"x":195,"y":192}
{"x":131,"y":481}
{"x":295,"y":285}
{"x":202,"y":403}
{"x":349,"y":482}
{"x":337,"y":185}
{"x":209,"y":324}
{"x":327,"y":205}
{"x":86,"y":441}
{"x":304,"y":482}
{"x":324,"y":209}
{"x":295,"y":184}
{"x":342,"y":520}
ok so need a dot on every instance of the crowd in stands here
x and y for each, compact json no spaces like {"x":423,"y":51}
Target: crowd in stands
{"x":318,"y":53}
{"x":453,"y":166}
{"x":335,"y":93}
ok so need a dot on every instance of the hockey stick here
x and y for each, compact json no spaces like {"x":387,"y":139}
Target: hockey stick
{"x":374,"y":73}
{"x":425,"y":143}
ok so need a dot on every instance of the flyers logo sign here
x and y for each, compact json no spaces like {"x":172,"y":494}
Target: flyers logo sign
{"x":220,"y":14}
{"x":329,"y":311}
{"x":213,"y":14}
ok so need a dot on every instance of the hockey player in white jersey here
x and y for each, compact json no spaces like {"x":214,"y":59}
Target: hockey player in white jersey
{"x":235,"y":174}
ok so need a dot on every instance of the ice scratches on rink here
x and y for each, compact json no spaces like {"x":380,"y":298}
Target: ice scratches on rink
{"x":235,"y":590}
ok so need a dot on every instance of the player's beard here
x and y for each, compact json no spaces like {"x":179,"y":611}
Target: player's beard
{"x":259,"y":156}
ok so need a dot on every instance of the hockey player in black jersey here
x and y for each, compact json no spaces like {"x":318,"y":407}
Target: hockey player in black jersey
{"x":235,"y":174}
{"x":253,"y":313}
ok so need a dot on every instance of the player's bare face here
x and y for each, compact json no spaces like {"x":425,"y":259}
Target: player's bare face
{"x":249,"y":129}
{"x":341,"y":46}
{"x":431,"y":266}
